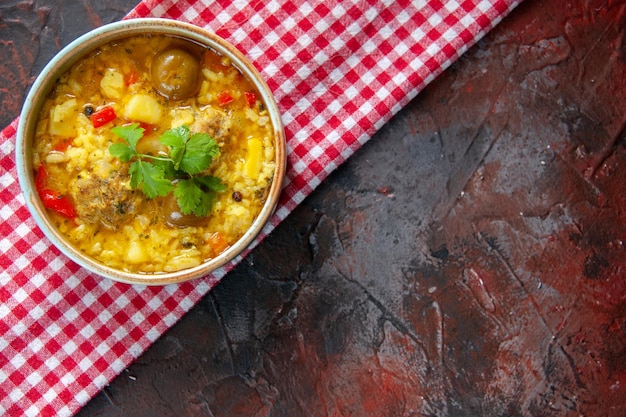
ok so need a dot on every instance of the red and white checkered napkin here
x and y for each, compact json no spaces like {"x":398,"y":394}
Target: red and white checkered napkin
{"x":339,"y":71}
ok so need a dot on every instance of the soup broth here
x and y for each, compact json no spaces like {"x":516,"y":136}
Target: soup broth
{"x":156,"y":83}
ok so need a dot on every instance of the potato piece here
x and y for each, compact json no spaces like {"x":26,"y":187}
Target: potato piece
{"x":63,"y":118}
{"x":136,"y":253}
{"x":112,"y":84}
{"x":56,"y":158}
{"x":143,"y":108}
{"x":254,"y":154}
{"x":187,"y":259}
{"x":151,"y":145}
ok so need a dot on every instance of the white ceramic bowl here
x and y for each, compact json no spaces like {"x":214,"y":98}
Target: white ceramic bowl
{"x":62,"y":62}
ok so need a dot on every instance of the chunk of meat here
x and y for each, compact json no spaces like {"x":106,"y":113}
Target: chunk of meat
{"x":108,"y":201}
{"x":213,"y":122}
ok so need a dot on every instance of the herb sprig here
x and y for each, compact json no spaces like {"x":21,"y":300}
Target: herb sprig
{"x":178,"y":171}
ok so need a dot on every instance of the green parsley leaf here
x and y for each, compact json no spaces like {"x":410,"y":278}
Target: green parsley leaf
{"x":130,"y":133}
{"x":206,"y":204}
{"x":168,"y":168}
{"x":176,"y":139}
{"x":122,"y":151}
{"x":159,"y":175}
{"x":136,"y":175}
{"x":212,"y":183}
{"x":151,"y":179}
{"x":199,"y":153}
{"x":189,"y":195}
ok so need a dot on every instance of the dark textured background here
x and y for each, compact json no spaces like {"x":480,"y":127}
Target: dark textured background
{"x":468,"y":261}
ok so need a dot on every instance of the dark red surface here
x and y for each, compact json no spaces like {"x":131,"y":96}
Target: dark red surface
{"x":468,"y":261}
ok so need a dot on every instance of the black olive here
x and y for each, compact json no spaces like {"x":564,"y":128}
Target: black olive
{"x":88,"y":111}
{"x":237,"y":196}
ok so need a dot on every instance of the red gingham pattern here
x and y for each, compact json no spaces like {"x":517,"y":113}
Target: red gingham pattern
{"x":339,"y":71}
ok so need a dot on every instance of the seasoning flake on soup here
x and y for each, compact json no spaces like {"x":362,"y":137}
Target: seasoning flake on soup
{"x":153,"y":154}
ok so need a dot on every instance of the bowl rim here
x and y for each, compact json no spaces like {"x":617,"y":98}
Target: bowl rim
{"x":61,"y":62}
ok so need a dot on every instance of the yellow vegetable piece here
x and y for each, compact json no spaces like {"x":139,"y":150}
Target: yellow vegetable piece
{"x":63,"y":118}
{"x":143,"y":108}
{"x":112,"y":84}
{"x":254,"y":154}
{"x":135,"y":253}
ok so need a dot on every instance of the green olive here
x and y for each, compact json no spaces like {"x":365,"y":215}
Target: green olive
{"x":174,"y":217}
{"x":176,"y":74}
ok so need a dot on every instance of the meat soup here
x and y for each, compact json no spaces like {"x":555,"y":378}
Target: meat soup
{"x":153,"y":154}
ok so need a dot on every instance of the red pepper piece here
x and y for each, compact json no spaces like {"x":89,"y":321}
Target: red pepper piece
{"x":224,"y":98}
{"x":62,"y":146}
{"x":147,"y":128}
{"x":57,"y":202}
{"x":41,"y":179}
{"x":103,"y":116}
{"x":52,"y":199}
{"x":250,"y":98}
{"x":131,"y":78}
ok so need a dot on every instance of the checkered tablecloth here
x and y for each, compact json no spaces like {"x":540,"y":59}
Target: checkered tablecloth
{"x":339,"y":71}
